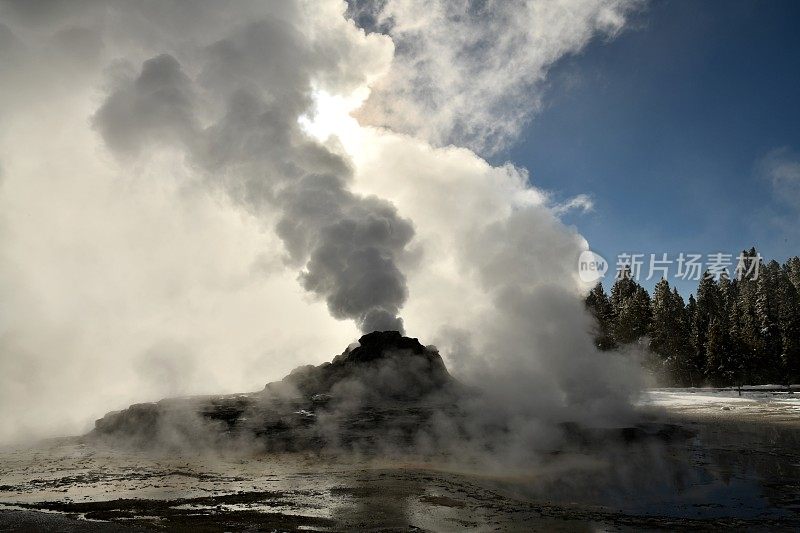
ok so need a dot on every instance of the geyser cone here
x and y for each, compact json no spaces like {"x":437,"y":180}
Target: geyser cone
{"x":387,"y":382}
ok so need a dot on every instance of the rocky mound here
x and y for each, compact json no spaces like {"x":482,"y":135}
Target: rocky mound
{"x":387,"y":384}
{"x":384,"y":365}
{"x":386,"y":392}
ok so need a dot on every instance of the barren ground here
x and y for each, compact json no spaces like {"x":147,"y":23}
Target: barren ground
{"x":739,"y":470}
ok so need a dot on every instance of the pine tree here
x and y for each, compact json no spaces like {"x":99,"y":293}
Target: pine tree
{"x":717,"y":349}
{"x":633,"y":318}
{"x":601,"y":309}
{"x":739,"y":354}
{"x":707,"y":308}
{"x":792,"y":269}
{"x":788,"y":325}
{"x":696,"y":365}
{"x":744,"y":269}
{"x":670,"y":333}
{"x":663,"y":320}
{"x":622,"y":293}
{"x":766,"y":312}
{"x":681,"y":348}
{"x":747,"y":324}
{"x":727,"y":366}
{"x":640,"y":303}
{"x":623,"y":289}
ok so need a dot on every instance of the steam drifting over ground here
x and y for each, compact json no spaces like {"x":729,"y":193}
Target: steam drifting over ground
{"x":186,"y":204}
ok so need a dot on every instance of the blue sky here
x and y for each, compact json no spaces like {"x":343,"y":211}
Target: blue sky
{"x":668,"y":126}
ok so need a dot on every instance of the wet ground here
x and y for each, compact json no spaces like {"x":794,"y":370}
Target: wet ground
{"x":735,"y":465}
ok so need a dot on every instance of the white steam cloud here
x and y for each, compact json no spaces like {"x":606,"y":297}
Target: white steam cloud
{"x":468,"y":72}
{"x":178,"y":177}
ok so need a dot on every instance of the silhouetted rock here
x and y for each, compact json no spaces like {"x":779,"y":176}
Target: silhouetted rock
{"x":385,"y":364}
{"x":388,"y":391}
{"x":386,"y":382}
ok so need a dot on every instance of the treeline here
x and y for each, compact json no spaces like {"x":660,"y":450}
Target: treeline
{"x":740,"y":329}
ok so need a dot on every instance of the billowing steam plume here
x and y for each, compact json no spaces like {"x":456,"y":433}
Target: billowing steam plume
{"x":259,"y":82}
{"x":466,"y":72}
{"x":168,"y":174}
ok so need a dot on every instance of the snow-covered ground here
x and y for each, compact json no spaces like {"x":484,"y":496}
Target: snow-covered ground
{"x":736,"y":466}
{"x":767,"y":403}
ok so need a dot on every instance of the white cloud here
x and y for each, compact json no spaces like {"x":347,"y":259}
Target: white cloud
{"x":581,"y":202}
{"x":782,"y":168}
{"x":469,"y":72}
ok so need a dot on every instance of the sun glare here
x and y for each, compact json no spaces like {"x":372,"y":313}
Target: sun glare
{"x":331,"y":117}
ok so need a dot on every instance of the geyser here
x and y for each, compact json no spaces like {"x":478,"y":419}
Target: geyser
{"x":161,"y":181}
{"x":388,"y":384}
